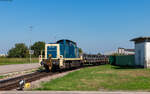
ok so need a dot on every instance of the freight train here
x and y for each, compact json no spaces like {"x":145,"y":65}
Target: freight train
{"x":64,"y":54}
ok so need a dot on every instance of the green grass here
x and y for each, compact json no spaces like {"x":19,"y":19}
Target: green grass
{"x":1,"y":77}
{"x":101,"y":78}
{"x":7,"y":61}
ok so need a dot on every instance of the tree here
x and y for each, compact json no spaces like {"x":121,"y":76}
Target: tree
{"x":80,"y":51}
{"x":38,"y":47}
{"x":20,"y":50}
{"x":99,"y":54}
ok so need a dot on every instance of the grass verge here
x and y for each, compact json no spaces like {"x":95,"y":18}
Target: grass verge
{"x":1,"y":77}
{"x":7,"y":61}
{"x":101,"y":78}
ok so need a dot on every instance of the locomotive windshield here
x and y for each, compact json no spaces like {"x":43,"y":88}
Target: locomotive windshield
{"x":52,"y":50}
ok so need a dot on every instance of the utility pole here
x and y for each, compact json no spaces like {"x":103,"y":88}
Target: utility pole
{"x":30,"y":52}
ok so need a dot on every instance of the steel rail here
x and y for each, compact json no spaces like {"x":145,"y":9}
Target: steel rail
{"x":13,"y":83}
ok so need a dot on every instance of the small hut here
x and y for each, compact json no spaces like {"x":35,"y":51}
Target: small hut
{"x":142,"y":51}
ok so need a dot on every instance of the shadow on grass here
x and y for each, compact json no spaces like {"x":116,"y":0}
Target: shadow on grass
{"x":126,"y":67}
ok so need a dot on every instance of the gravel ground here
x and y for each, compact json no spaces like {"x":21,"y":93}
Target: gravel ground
{"x":16,"y":74}
{"x":5,"y":69}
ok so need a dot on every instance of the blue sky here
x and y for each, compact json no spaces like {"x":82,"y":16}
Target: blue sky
{"x":96,"y":25}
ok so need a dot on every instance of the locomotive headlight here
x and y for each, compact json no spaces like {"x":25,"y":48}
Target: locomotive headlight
{"x":50,"y":55}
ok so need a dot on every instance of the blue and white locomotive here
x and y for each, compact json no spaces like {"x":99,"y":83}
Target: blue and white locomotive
{"x":63,"y":54}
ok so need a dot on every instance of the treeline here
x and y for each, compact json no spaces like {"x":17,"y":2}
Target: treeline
{"x":22,"y":51}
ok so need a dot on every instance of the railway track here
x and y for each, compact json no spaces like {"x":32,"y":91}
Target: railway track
{"x":13,"y":83}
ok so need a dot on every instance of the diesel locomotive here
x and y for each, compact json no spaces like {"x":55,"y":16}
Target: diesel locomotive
{"x":64,"y":54}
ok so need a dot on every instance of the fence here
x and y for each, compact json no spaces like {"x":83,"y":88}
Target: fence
{"x":122,"y":60}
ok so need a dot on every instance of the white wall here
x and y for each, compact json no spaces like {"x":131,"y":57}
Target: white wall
{"x":121,"y":50}
{"x":147,"y":55}
{"x":129,"y":53}
{"x":140,"y":54}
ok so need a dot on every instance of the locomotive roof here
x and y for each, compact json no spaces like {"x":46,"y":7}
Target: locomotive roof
{"x":66,"y":40}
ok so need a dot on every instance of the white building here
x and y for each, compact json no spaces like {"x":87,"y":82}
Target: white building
{"x":110,"y":53}
{"x":121,"y":51}
{"x":124,"y":51}
{"x":142,"y":51}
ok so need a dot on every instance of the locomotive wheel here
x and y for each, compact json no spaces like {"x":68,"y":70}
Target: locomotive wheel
{"x":49,"y":68}
{"x":81,"y":64}
{"x":46,"y":68}
{"x":60,"y":71}
{"x":53,"y":68}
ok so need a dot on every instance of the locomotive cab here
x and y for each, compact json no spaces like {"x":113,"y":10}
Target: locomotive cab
{"x":52,"y":57}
